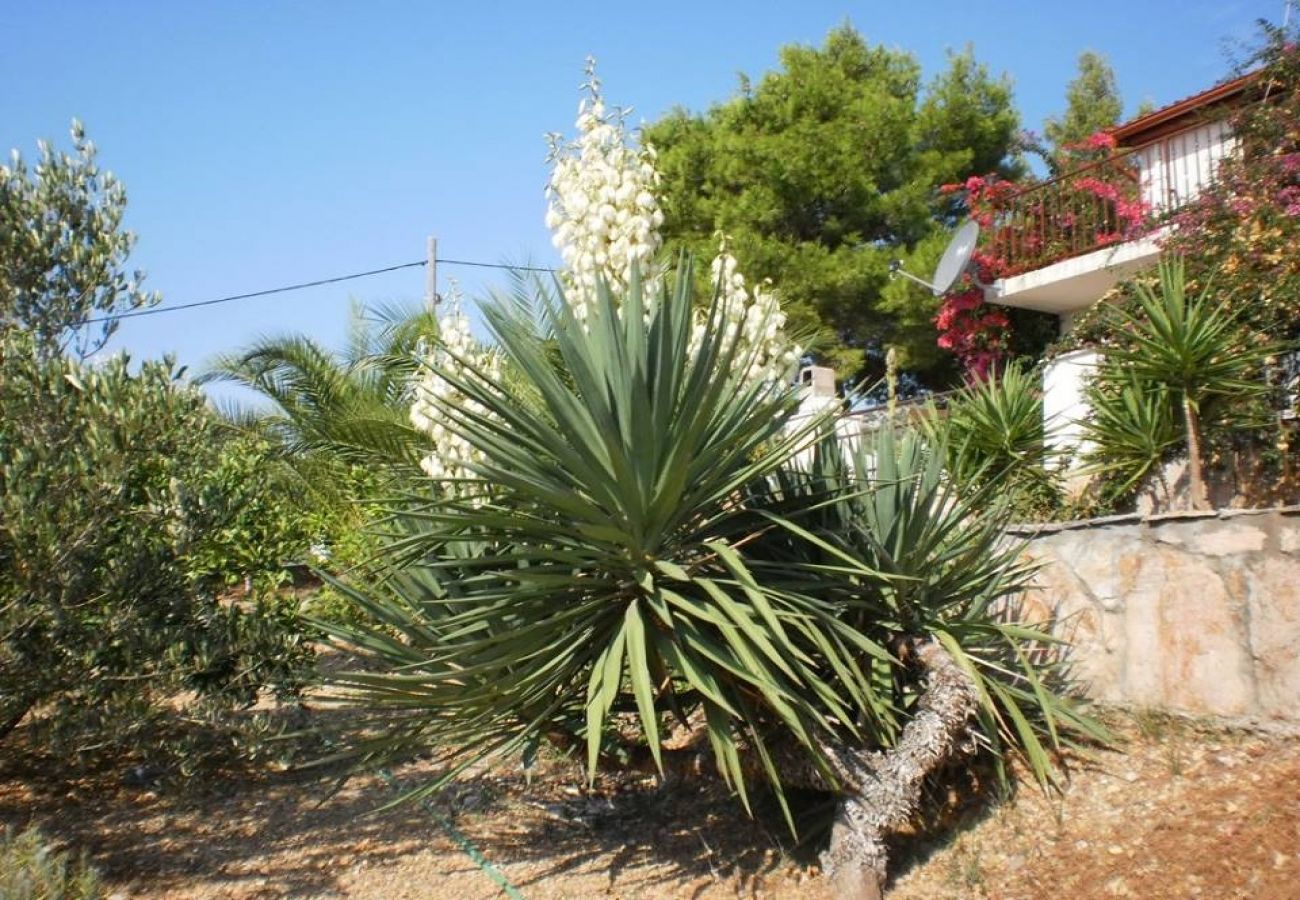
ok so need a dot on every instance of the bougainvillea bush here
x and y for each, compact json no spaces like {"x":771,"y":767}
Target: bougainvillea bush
{"x":1243,"y":232}
{"x":1239,"y":238}
{"x":1027,"y":225}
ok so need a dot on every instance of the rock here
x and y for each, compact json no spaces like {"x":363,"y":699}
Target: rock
{"x":1228,"y":539}
{"x":1273,"y":591}
{"x":1118,"y":887}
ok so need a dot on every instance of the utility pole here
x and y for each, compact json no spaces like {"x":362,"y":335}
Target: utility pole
{"x":431,"y":274}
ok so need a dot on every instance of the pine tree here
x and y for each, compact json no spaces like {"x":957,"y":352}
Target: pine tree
{"x":824,"y":171}
{"x":1092,"y":103}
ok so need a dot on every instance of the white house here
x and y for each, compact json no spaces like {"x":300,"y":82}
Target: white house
{"x":1071,"y":247}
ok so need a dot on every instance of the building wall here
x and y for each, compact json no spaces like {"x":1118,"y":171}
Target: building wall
{"x":1065,"y":406}
{"x":1173,"y":170}
{"x":1195,"y":613}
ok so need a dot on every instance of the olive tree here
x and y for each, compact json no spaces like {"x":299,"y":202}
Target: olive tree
{"x":63,"y":250}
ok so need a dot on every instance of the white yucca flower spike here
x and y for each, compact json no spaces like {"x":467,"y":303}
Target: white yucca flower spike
{"x":455,"y":351}
{"x":604,"y":216}
{"x":602,"y":206}
{"x":755,"y":315}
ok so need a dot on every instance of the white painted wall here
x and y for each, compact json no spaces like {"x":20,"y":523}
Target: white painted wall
{"x":817,"y":386}
{"x":1174,"y":170}
{"x":1064,"y":403}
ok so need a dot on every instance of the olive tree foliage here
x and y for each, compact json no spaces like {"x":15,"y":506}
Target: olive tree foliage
{"x":63,"y":249}
{"x":126,"y":508}
{"x":825,"y":170}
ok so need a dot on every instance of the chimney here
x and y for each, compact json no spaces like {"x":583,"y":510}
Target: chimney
{"x":820,"y":380}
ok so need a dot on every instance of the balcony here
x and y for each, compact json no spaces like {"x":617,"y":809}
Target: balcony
{"x":1070,"y":215}
{"x":1065,"y":242}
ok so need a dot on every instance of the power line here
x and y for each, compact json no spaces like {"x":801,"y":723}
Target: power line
{"x":131,"y":314}
{"x":483,"y":265}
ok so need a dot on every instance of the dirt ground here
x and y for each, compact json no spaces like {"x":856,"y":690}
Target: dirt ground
{"x":1179,"y":810}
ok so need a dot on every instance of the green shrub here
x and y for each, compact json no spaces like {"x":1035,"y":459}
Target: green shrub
{"x":30,"y":870}
{"x":127,"y":511}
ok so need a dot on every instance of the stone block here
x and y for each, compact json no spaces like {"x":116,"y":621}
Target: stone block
{"x":1095,"y":636}
{"x":1105,"y":560}
{"x":1206,"y":667}
{"x":1288,"y":536}
{"x":1186,"y":638}
{"x":1228,"y":539}
{"x":1274,"y":597}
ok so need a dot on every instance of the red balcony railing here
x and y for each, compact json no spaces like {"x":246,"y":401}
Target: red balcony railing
{"x":1072,"y":214}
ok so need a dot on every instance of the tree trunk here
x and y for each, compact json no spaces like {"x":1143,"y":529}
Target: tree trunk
{"x":1195,"y":480}
{"x":886,"y":787}
{"x":879,"y":791}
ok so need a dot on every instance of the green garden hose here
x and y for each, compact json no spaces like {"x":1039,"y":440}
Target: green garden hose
{"x":458,"y":838}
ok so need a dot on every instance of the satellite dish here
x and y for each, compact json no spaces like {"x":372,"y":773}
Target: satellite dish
{"x":954,"y":262}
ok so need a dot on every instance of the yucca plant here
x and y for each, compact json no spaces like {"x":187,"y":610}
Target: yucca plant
{"x":920,"y":564}
{"x":594,"y":567}
{"x":937,"y":565}
{"x":1194,"y":349}
{"x":1131,"y":428}
{"x":992,"y":431}
{"x":639,"y":546}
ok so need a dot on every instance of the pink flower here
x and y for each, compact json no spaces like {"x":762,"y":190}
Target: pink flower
{"x":1101,"y":140}
{"x":1098,"y":188}
{"x":1131,"y":210}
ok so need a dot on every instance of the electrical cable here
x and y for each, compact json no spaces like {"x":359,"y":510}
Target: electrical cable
{"x":483,"y":265}
{"x":131,"y":314}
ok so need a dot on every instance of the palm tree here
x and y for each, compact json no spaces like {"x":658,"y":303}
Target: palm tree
{"x":330,"y":407}
{"x":1196,"y":350}
{"x":640,"y":546}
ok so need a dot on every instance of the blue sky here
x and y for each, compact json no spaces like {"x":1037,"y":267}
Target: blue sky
{"x":269,"y":143}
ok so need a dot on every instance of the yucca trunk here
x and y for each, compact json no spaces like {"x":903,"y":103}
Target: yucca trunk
{"x":879,"y":791}
{"x":885,"y":788}
{"x":1195,"y":478}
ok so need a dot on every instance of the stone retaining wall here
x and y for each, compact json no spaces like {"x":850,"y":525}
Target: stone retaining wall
{"x":1193,"y":612}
